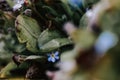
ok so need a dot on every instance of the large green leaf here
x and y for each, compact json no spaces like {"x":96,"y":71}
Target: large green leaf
{"x":48,"y":35}
{"x":27,"y":31}
{"x":55,"y":44}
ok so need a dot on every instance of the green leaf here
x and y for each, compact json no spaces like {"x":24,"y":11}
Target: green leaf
{"x":23,"y":58}
{"x":5,"y":72}
{"x":48,"y":35}
{"x":83,"y":38}
{"x":66,"y":7}
{"x":55,"y":44}
{"x":11,"y":3}
{"x":27,"y":30}
{"x":85,"y":19}
{"x":35,"y":58}
{"x":50,"y":10}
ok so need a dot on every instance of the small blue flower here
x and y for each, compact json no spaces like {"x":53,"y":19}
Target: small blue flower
{"x":53,"y":57}
{"x":76,"y":3}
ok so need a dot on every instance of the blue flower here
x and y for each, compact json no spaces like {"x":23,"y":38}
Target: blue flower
{"x":76,"y":3}
{"x":105,"y":41}
{"x":53,"y":57}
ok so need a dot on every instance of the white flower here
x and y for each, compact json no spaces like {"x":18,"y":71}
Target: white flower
{"x":19,"y":1}
{"x":16,"y":7}
{"x":18,"y":4}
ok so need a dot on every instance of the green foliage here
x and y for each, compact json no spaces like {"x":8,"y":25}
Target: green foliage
{"x":32,"y":35}
{"x":27,"y":31}
{"x":55,"y":44}
{"x":47,"y":35}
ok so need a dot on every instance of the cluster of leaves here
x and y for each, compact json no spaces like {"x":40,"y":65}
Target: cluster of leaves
{"x":31,"y":30}
{"x":35,"y":35}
